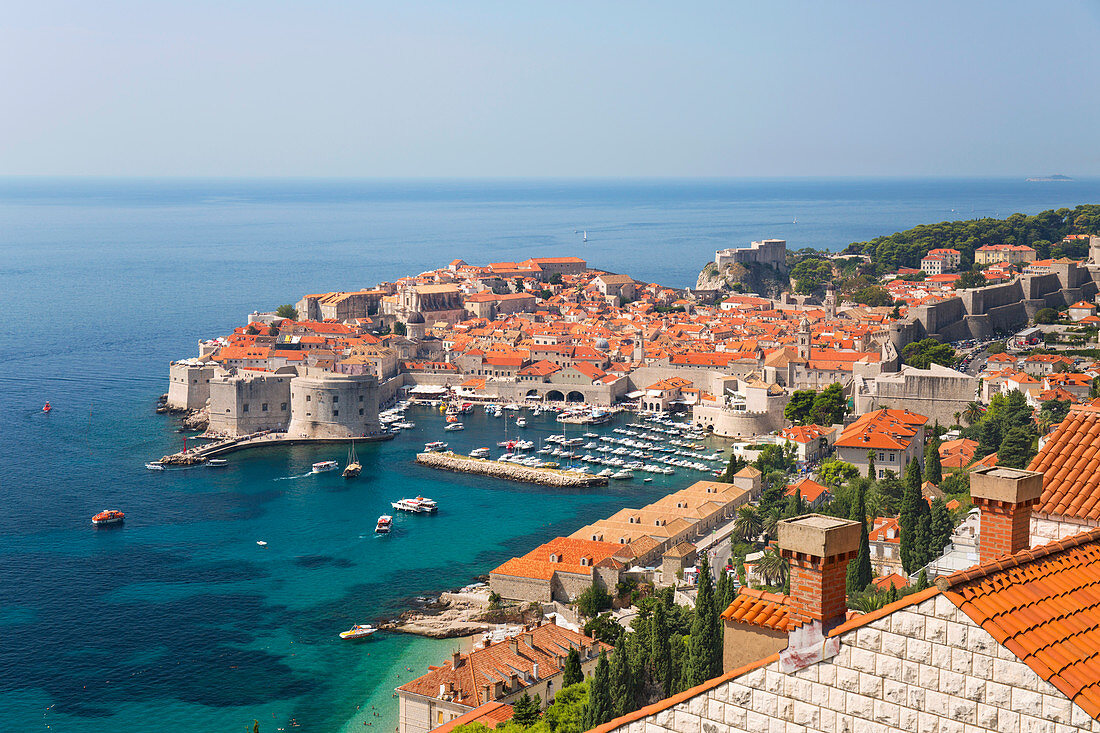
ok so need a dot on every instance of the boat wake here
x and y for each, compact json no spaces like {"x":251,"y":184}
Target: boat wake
{"x":291,"y":478}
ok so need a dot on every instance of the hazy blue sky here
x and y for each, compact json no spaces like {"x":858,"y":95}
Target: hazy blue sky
{"x":408,"y":88}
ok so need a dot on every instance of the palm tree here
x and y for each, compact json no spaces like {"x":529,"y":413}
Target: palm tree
{"x":748,"y":524}
{"x":772,"y":568}
{"x":768,"y":524}
{"x":973,"y":412}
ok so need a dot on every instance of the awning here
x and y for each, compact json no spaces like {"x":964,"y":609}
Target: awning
{"x":428,"y":389}
{"x":635,"y":394}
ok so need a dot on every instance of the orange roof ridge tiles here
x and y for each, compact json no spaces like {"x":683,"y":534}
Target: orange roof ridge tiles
{"x":760,"y":608}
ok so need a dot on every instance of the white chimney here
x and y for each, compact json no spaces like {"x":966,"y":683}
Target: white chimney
{"x":535,"y":671}
{"x":442,"y":691}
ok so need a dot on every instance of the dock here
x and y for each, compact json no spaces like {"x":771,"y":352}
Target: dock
{"x":510,"y":471}
{"x":203,"y":453}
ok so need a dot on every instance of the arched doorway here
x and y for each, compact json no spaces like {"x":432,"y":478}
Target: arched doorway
{"x":555,"y":396}
{"x":532,"y":394}
{"x":574,"y":396}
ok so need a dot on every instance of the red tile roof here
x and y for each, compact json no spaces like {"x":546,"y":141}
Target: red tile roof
{"x":1070,"y":464}
{"x":1043,"y":605}
{"x":760,"y":608}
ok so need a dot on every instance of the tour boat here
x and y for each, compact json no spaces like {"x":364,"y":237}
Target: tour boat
{"x":419,"y":505}
{"x":217,"y":462}
{"x":434,"y":445}
{"x":385,"y":523}
{"x":521,"y":422}
{"x":354,"y":467}
{"x":455,"y":426}
{"x":359,"y":631}
{"x":322,"y":466}
{"x":154,"y":466}
{"x":108,"y":516}
{"x":479,"y":453}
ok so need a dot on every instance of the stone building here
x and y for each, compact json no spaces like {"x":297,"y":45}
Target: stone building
{"x":433,"y":302}
{"x":770,"y":252}
{"x":1002,"y":646}
{"x":531,"y":662}
{"x":938,"y":392}
{"x":895,"y":437}
{"x":189,"y":384}
{"x":329,"y":405}
{"x":559,"y":570}
{"x":249,"y":402}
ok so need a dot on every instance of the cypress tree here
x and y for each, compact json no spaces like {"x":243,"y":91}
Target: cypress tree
{"x":942,"y":527}
{"x":620,"y":683}
{"x":871,"y":465}
{"x":660,"y":650}
{"x":525,"y":711}
{"x":859,"y":570}
{"x":908,"y":518}
{"x":922,"y":580}
{"x":705,"y":644}
{"x":932,"y":459}
{"x":600,"y":708}
{"x":913,"y":475}
{"x":571,"y":673}
{"x":921,"y":554}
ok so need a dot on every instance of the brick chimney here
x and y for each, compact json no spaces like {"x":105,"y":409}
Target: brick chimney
{"x":1005,"y":497}
{"x":456,"y":658}
{"x":818,"y":548}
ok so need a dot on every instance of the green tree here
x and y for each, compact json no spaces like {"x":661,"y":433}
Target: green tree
{"x":835,"y":473}
{"x":620,"y":683}
{"x":736,"y":464}
{"x":604,"y":627}
{"x":399,"y":328}
{"x":914,"y":542}
{"x":773,"y":458}
{"x":572,"y":673}
{"x":811,"y":274}
{"x":567,"y":714}
{"x":525,"y":711}
{"x":772,"y":568}
{"x":1052,"y":412}
{"x":601,"y":708}
{"x":798,"y":409}
{"x":555,"y":279}
{"x":1015,"y":449}
{"x":871,"y":465}
{"x":873,"y":296}
{"x":927,"y":351}
{"x":922,"y":580}
{"x":970,"y":279}
{"x":941,"y":527}
{"x":1046,"y":316}
{"x":287,"y":311}
{"x":594,"y":599}
{"x":748,"y":525}
{"x":705,"y":643}
{"x":829,"y":406}
{"x":932,"y":459}
{"x":859,"y":570}
{"x":973,"y":413}
{"x":660,"y":650}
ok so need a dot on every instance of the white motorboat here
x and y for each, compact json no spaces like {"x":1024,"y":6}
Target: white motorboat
{"x":455,"y":426}
{"x":154,"y":466}
{"x":606,"y":473}
{"x":419,"y":505}
{"x":359,"y":631}
{"x":384,"y":524}
{"x":322,"y":466}
{"x":521,"y":422}
{"x":434,"y":445}
{"x":217,"y":462}
{"x":479,"y":453}
{"x":623,"y":474}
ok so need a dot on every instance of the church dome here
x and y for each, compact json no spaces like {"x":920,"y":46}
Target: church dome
{"x":416,"y":318}
{"x":603,"y":344}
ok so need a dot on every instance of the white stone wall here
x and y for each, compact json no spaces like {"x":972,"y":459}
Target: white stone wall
{"x":926,"y":669}
{"x":1046,"y":529}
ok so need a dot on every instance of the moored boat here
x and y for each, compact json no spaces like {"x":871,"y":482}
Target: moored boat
{"x":108,"y":516}
{"x":434,"y":445}
{"x":359,"y":631}
{"x":217,"y":462}
{"x":152,"y":466}
{"x":322,"y":466}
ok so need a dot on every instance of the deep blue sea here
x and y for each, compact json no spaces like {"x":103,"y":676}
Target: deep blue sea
{"x":178,"y":620}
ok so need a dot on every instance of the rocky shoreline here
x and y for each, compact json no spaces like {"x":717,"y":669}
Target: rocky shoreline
{"x":510,"y":471}
{"x":457,"y":614}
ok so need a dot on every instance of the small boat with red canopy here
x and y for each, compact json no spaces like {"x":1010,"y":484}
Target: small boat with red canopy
{"x":108,"y":516}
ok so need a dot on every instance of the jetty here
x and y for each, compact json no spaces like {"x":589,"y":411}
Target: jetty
{"x":264,"y":439}
{"x":497,"y":469}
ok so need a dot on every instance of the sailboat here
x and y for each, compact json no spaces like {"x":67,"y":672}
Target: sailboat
{"x":353,"y":468}
{"x":585,"y":237}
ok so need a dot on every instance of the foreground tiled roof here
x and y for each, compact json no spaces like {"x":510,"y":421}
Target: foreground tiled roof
{"x":491,"y":714}
{"x":1070,"y":464}
{"x":1043,"y":605}
{"x":759,"y":608}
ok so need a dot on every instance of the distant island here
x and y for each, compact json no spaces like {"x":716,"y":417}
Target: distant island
{"x":1048,"y":179}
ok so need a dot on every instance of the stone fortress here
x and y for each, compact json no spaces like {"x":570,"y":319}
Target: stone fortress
{"x":770,"y":252}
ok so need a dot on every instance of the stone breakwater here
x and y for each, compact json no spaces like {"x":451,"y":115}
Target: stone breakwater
{"x":510,"y":471}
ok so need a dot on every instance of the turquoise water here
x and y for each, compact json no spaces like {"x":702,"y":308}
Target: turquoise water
{"x":178,"y":620}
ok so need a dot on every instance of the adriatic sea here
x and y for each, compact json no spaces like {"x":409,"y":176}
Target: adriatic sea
{"x":178,"y":620}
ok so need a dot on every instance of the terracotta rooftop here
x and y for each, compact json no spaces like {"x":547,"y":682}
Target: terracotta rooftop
{"x":1043,"y":605}
{"x":1070,"y":464}
{"x":759,"y":608}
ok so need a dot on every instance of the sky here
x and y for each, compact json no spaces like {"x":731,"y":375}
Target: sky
{"x":549,"y":89}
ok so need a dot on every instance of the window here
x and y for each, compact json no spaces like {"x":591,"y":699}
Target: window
{"x":282,"y":406}
{"x":360,"y":410}
{"x":882,"y":456}
{"x":263,"y":407}
{"x":309,"y":398}
{"x":360,"y":398}
{"x":439,"y":718}
{"x":893,"y":457}
{"x":336,"y":413}
{"x":336,"y":398}
{"x":244,"y":407}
